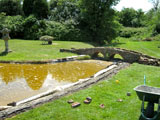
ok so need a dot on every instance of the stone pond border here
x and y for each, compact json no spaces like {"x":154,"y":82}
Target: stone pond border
{"x":60,"y":91}
{"x":72,"y":58}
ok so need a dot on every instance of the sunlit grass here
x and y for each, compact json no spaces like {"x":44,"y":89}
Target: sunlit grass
{"x":150,"y":48}
{"x":34,"y":50}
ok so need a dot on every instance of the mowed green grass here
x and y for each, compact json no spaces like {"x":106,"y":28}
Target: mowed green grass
{"x":105,"y":92}
{"x":34,"y":50}
{"x":149,"y":48}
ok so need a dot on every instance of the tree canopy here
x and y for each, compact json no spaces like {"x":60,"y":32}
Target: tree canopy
{"x":39,"y":8}
{"x":98,"y":19}
{"x":11,"y":7}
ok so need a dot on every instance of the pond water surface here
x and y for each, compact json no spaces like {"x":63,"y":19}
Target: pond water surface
{"x":20,"y":81}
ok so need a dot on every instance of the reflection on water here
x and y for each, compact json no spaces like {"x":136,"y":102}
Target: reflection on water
{"x":19,"y":81}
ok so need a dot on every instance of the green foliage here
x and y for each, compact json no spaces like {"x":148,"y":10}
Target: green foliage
{"x":46,"y":38}
{"x":28,"y":7}
{"x":63,"y":31}
{"x":153,"y":22}
{"x":100,"y":55}
{"x":2,"y":19}
{"x":62,"y":10}
{"x":98,"y":20}
{"x":131,"y":18}
{"x":11,"y":7}
{"x":156,"y":38}
{"x":40,"y":9}
{"x":128,"y":32}
{"x":33,"y":28}
{"x":65,"y":13}
{"x":15,"y":24}
{"x":156,"y":4}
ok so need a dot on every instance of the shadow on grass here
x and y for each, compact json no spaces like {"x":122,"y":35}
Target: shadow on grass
{"x":3,"y":53}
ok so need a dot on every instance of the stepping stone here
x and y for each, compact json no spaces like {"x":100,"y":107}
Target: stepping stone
{"x":70,"y":101}
{"x":128,"y":94}
{"x":101,"y":106}
{"x":89,"y":98}
{"x":119,"y":100}
{"x":75,"y":104}
{"x":87,"y":101}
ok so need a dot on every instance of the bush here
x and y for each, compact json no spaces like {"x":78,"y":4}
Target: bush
{"x":128,"y":32}
{"x":46,"y":38}
{"x":63,"y":31}
{"x":2,"y":19}
{"x":15,"y":24}
{"x":156,"y":38}
{"x":33,"y":28}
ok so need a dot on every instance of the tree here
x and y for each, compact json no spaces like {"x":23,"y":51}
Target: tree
{"x":130,"y":17}
{"x":63,"y":10}
{"x":28,"y":7}
{"x":40,"y":9}
{"x":99,"y":20}
{"x":156,"y":4}
{"x":11,"y":7}
{"x":126,"y":16}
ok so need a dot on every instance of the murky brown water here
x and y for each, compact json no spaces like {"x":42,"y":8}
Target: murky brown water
{"x":20,"y":81}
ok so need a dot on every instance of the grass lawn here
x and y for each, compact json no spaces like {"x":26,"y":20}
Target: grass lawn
{"x":149,"y":48}
{"x":105,"y":92}
{"x":33,"y":50}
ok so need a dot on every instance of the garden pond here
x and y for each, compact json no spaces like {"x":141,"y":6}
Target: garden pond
{"x":21,"y":81}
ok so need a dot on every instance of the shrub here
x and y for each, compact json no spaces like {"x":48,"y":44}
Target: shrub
{"x":55,"y":29}
{"x":156,"y":38}
{"x":33,"y":28}
{"x":130,"y":32}
{"x":63,"y":31}
{"x":15,"y":24}
{"x":46,"y":38}
{"x":2,"y":19}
